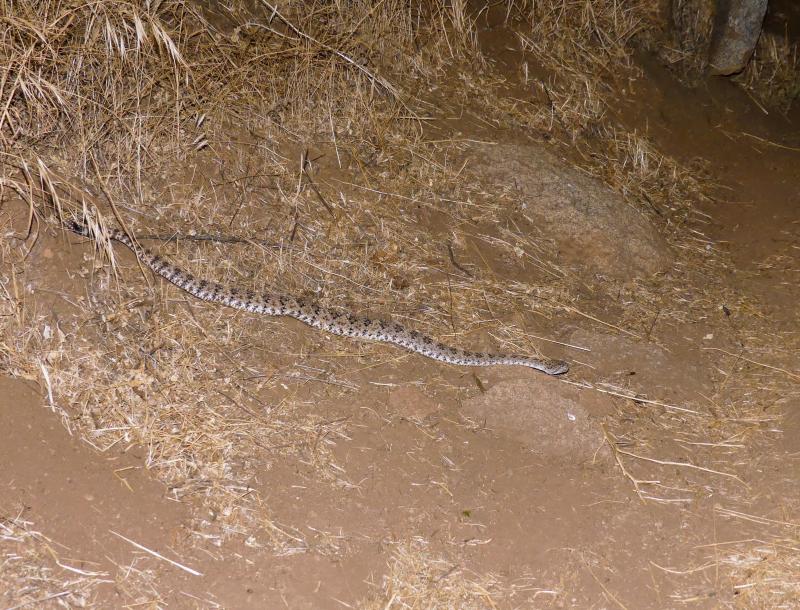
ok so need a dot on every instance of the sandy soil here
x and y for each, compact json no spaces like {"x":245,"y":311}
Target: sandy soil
{"x":506,"y":474}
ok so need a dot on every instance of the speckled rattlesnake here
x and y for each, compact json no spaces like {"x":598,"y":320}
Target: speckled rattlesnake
{"x":337,"y":323}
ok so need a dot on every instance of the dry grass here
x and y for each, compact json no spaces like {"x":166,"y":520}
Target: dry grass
{"x":768,"y":571}
{"x":692,"y":23}
{"x":301,"y":149}
{"x":584,"y":38}
{"x":417,"y":579}
{"x":108,"y":82}
{"x":100,"y":80}
{"x":773,"y":75}
{"x":39,"y":572}
{"x":33,"y":573}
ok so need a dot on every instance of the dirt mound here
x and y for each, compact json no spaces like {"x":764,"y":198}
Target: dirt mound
{"x":542,"y":416}
{"x":592,"y":226}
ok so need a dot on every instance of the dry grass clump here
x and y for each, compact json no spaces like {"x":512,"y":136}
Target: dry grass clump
{"x":584,"y":37}
{"x":638,"y":170}
{"x":773,"y":74}
{"x":759,"y":566}
{"x":581,"y":45}
{"x":38,"y":572}
{"x":691,"y":24}
{"x":417,"y":579}
{"x":32,"y":574}
{"x":766,"y":572}
{"x":102,"y":79}
{"x":112,"y":89}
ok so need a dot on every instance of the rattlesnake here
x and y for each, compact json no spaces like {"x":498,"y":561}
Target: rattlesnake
{"x":332,"y":321}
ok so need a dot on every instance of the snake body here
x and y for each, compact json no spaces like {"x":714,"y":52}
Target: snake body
{"x":329,"y":320}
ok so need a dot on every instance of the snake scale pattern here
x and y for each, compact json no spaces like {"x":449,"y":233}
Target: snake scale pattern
{"x":332,"y":321}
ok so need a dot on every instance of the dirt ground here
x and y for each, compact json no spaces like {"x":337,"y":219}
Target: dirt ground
{"x":660,"y":472}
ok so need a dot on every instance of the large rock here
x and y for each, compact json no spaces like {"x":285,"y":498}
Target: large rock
{"x":737,"y":27}
{"x":593,"y":227}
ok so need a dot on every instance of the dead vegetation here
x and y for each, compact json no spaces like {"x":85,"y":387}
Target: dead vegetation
{"x":417,"y":579}
{"x":33,"y":574}
{"x":771,"y":75}
{"x":304,"y":160}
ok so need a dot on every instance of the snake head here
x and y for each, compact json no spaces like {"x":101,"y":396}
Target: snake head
{"x":556,"y":367}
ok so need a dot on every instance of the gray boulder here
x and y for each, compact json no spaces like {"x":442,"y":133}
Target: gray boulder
{"x":737,"y":26}
{"x":594,"y":229}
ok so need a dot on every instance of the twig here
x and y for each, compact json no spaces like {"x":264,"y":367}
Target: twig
{"x":590,"y":386}
{"x":220,"y":239}
{"x":40,"y":600}
{"x":157,"y":555}
{"x":598,"y":320}
{"x":314,"y":188}
{"x":452,"y":315}
{"x":681,"y":464}
{"x":603,"y":586}
{"x":455,"y":263}
{"x":612,"y":443}
{"x":553,"y":111}
{"x":570,"y":345}
{"x":770,"y":143}
{"x":754,"y":518}
{"x":684,"y":572}
{"x":766,"y":366}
